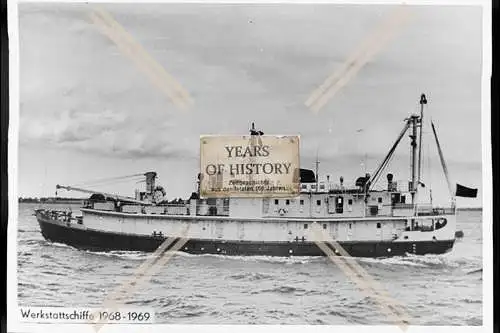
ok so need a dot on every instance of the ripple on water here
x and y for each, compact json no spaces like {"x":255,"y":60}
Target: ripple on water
{"x":268,"y":290}
{"x":251,"y":276}
{"x":283,"y":290}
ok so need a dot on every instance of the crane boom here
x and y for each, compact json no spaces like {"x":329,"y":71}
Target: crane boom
{"x":115,"y":196}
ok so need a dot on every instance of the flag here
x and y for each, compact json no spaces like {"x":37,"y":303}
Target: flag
{"x":466,"y":192}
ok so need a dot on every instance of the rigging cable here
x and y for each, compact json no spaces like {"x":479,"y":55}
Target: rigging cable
{"x":443,"y":163}
{"x":109,"y":179}
{"x":379,"y":170}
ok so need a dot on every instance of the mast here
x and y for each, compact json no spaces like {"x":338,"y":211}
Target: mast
{"x":413,"y":136}
{"x":423,"y":101}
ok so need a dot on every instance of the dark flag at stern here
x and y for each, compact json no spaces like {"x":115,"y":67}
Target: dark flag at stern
{"x":466,"y":192}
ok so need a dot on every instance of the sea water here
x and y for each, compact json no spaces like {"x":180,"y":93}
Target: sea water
{"x":214,"y":289}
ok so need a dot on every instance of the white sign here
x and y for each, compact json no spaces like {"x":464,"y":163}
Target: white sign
{"x":249,"y":166}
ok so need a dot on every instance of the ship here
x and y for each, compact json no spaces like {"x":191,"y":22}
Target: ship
{"x":362,"y":219}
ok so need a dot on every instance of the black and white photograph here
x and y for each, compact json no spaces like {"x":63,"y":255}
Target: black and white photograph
{"x":250,"y":164}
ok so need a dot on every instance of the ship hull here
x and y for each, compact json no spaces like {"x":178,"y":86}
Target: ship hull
{"x":94,"y":240}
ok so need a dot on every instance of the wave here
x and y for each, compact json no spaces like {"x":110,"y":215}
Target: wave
{"x":56,"y":244}
{"x":127,"y":255}
{"x":251,"y":276}
{"x":471,"y":301}
{"x":399,"y":260}
{"x":267,"y":259}
{"x":448,"y":260}
{"x":282,"y":290}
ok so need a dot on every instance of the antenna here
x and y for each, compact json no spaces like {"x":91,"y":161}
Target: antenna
{"x":366,"y":161}
{"x":429,"y":170}
{"x":317,"y":168}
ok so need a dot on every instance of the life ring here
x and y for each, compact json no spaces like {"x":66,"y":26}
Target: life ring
{"x":282,"y":211}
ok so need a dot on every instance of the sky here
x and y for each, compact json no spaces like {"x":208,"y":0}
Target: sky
{"x":88,"y":112}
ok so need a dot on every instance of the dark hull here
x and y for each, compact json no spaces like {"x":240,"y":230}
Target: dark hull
{"x":105,"y":241}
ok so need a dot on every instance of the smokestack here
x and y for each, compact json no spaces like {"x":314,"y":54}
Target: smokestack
{"x":150,"y":181}
{"x":389,"y":181}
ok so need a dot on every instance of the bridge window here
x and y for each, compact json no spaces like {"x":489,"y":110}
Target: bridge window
{"x":318,"y":202}
{"x":302,"y":201}
{"x":349,"y":202}
{"x":380,"y":200}
{"x":287,"y":201}
{"x":350,"y":225}
{"x":276,"y":201}
{"x":378,"y":225}
{"x":304,"y":186}
{"x":322,"y":187}
{"x":440,"y":223}
{"x":305,"y":226}
{"x":324,"y":226}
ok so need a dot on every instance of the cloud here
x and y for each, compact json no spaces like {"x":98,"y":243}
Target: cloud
{"x":108,"y":133}
{"x":239,"y":73}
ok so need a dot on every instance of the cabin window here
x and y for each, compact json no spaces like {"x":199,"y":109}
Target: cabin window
{"x":313,"y":187}
{"x":302,"y":202}
{"x":324,"y":226}
{"x":403,"y":199}
{"x":350,"y":225}
{"x":318,"y":202}
{"x":349,"y":202}
{"x":322,"y":187}
{"x":339,"y":206}
{"x":379,"y":200}
{"x":287,"y":201}
{"x":304,"y":186}
{"x":305,"y":226}
{"x":378,"y":225}
{"x":276,"y":201}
